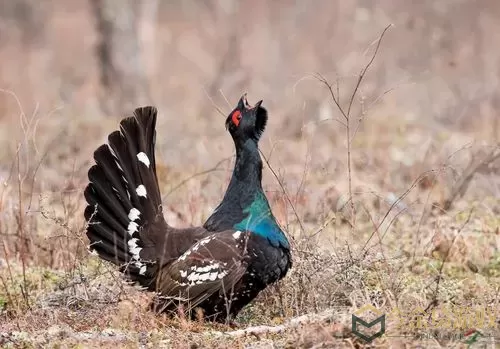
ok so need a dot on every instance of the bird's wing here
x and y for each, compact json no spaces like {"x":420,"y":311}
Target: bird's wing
{"x":214,"y":264}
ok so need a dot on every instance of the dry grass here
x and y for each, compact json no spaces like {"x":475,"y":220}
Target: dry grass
{"x":64,"y":297}
{"x":394,"y":247}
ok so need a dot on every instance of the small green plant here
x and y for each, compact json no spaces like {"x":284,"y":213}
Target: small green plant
{"x":3,"y":303}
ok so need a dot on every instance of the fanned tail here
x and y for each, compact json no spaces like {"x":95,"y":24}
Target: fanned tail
{"x":124,"y":212}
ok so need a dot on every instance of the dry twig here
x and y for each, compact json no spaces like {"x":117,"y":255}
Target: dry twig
{"x":347,"y":116}
{"x":325,"y":316}
{"x":461,"y":185}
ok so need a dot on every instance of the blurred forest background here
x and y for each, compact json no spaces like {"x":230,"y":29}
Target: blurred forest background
{"x":69,"y":65}
{"x":69,"y":70}
{"x":92,"y":58}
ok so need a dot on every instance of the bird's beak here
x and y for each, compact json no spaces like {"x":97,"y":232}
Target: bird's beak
{"x":242,"y":104}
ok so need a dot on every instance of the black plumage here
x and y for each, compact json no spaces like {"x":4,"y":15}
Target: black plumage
{"x":218,"y":268}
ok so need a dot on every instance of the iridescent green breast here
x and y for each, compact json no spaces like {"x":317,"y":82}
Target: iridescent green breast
{"x":261,"y":221}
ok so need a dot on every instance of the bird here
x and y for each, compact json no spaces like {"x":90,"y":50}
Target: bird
{"x":215,"y":269}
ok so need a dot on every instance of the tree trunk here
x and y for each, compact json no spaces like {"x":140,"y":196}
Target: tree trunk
{"x":123,"y":79}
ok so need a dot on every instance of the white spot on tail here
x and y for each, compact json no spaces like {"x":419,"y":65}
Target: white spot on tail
{"x":142,"y":271}
{"x":141,"y":190}
{"x":183,"y":273}
{"x":134,"y":214}
{"x":143,"y":158}
{"x":236,"y":234}
{"x":134,"y":249}
{"x":132,"y":228}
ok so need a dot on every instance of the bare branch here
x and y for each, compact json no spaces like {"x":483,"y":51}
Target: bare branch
{"x":284,"y":191}
{"x":184,"y":181}
{"x":396,"y":202}
{"x":347,"y":115}
{"x":461,"y":185}
{"x":213,"y":103}
{"x":363,"y":72}
{"x":290,"y":324}
{"x":434,"y":301}
{"x":323,"y":80}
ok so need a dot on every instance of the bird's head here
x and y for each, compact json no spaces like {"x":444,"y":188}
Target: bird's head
{"x":246,"y":121}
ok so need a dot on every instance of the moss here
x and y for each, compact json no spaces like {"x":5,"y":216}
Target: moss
{"x":21,"y":288}
{"x":493,"y":267}
{"x":3,"y":303}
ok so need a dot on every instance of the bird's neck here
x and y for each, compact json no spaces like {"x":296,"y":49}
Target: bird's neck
{"x":246,"y":181}
{"x":245,"y":206}
{"x":247,"y":169}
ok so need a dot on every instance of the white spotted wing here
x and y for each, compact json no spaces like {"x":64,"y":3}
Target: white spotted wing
{"x":213,"y":264}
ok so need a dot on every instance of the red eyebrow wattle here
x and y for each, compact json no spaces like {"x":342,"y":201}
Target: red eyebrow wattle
{"x":236,"y":118}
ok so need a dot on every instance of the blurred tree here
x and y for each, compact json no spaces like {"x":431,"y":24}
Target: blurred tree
{"x":25,"y":16}
{"x":124,"y":83}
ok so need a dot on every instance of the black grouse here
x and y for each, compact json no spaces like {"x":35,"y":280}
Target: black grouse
{"x":219,"y":267}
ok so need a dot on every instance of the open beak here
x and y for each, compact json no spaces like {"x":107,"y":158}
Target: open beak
{"x":247,"y":106}
{"x":243,"y":103}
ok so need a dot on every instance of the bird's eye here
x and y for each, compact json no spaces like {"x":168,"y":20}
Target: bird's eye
{"x":236,"y":117}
